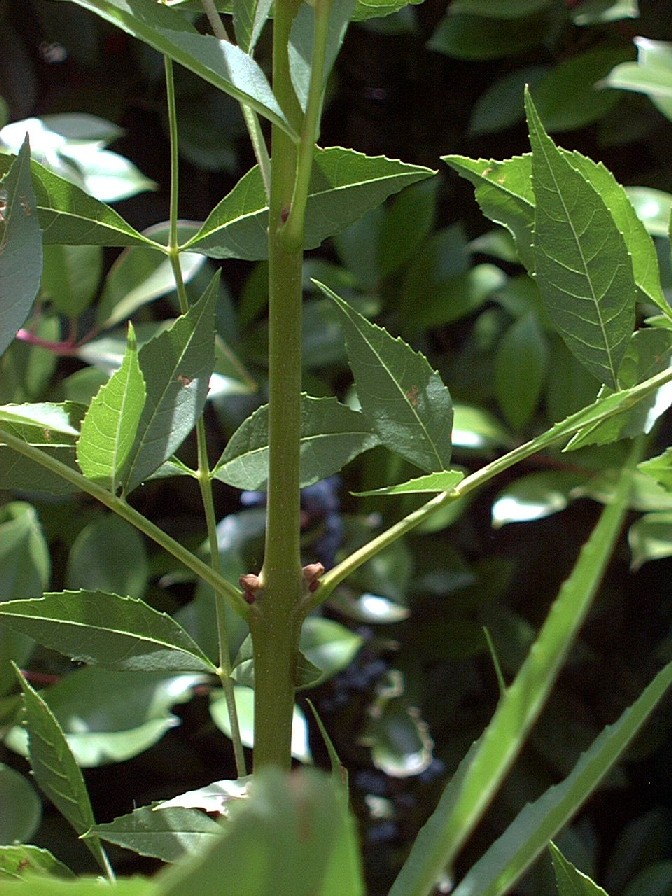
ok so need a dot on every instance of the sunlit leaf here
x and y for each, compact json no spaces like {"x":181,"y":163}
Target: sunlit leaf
{"x":651,"y":74}
{"x":220,"y":63}
{"x":344,"y":185}
{"x":107,"y":629}
{"x":110,"y":425}
{"x":110,"y":716}
{"x":582,"y":265}
{"x":20,"y":247}
{"x":177,"y":366}
{"x":245,"y":706}
{"x":433,"y":483}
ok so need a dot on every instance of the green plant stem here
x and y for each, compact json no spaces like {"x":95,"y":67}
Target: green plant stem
{"x":588,"y":416}
{"x":132,"y":516}
{"x":293,"y":230}
{"x":274,"y":624}
{"x":464,"y":802}
{"x":204,"y":479}
{"x":249,"y":115}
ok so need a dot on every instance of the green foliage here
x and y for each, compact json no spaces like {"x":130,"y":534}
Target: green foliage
{"x":410,"y":340}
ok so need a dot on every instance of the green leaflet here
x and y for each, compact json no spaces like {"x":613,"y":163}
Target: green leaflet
{"x":292,"y":837}
{"x":583,"y":268}
{"x":504,"y":191}
{"x":110,"y":425}
{"x":409,"y":406}
{"x":55,"y":768}
{"x":20,"y":247}
{"x":69,"y":216}
{"x":344,"y":185}
{"x":176,"y":365}
{"x":331,"y":436}
{"x":167,"y":834}
{"x":108,"y":630}
{"x":220,"y":63}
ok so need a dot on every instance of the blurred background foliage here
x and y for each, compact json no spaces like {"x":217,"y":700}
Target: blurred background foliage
{"x":405,"y":647}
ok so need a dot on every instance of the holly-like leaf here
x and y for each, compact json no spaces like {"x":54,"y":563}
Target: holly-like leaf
{"x":584,"y":272}
{"x":331,"y":436}
{"x":176,"y":365}
{"x":110,"y":425}
{"x":409,"y":406}
{"x":344,"y":185}
{"x":20,"y":247}
{"x":220,"y":63}
{"x":108,"y":630}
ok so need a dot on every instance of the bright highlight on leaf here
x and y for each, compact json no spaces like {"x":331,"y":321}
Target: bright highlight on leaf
{"x":20,"y":247}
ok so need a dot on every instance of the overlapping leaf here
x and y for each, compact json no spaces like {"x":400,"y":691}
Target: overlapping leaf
{"x":166,"y":834}
{"x":109,"y":427}
{"x":409,"y":406}
{"x":54,"y":766}
{"x":108,"y":630}
{"x":504,"y":191}
{"x":69,"y":216}
{"x":176,"y":365}
{"x":583,"y":268}
{"x":331,"y":436}
{"x":344,"y":185}
{"x":20,"y":248}
{"x":52,"y":427}
{"x":220,"y":63}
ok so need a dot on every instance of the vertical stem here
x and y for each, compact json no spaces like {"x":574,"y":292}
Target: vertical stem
{"x":274,"y":624}
{"x":204,"y":480}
